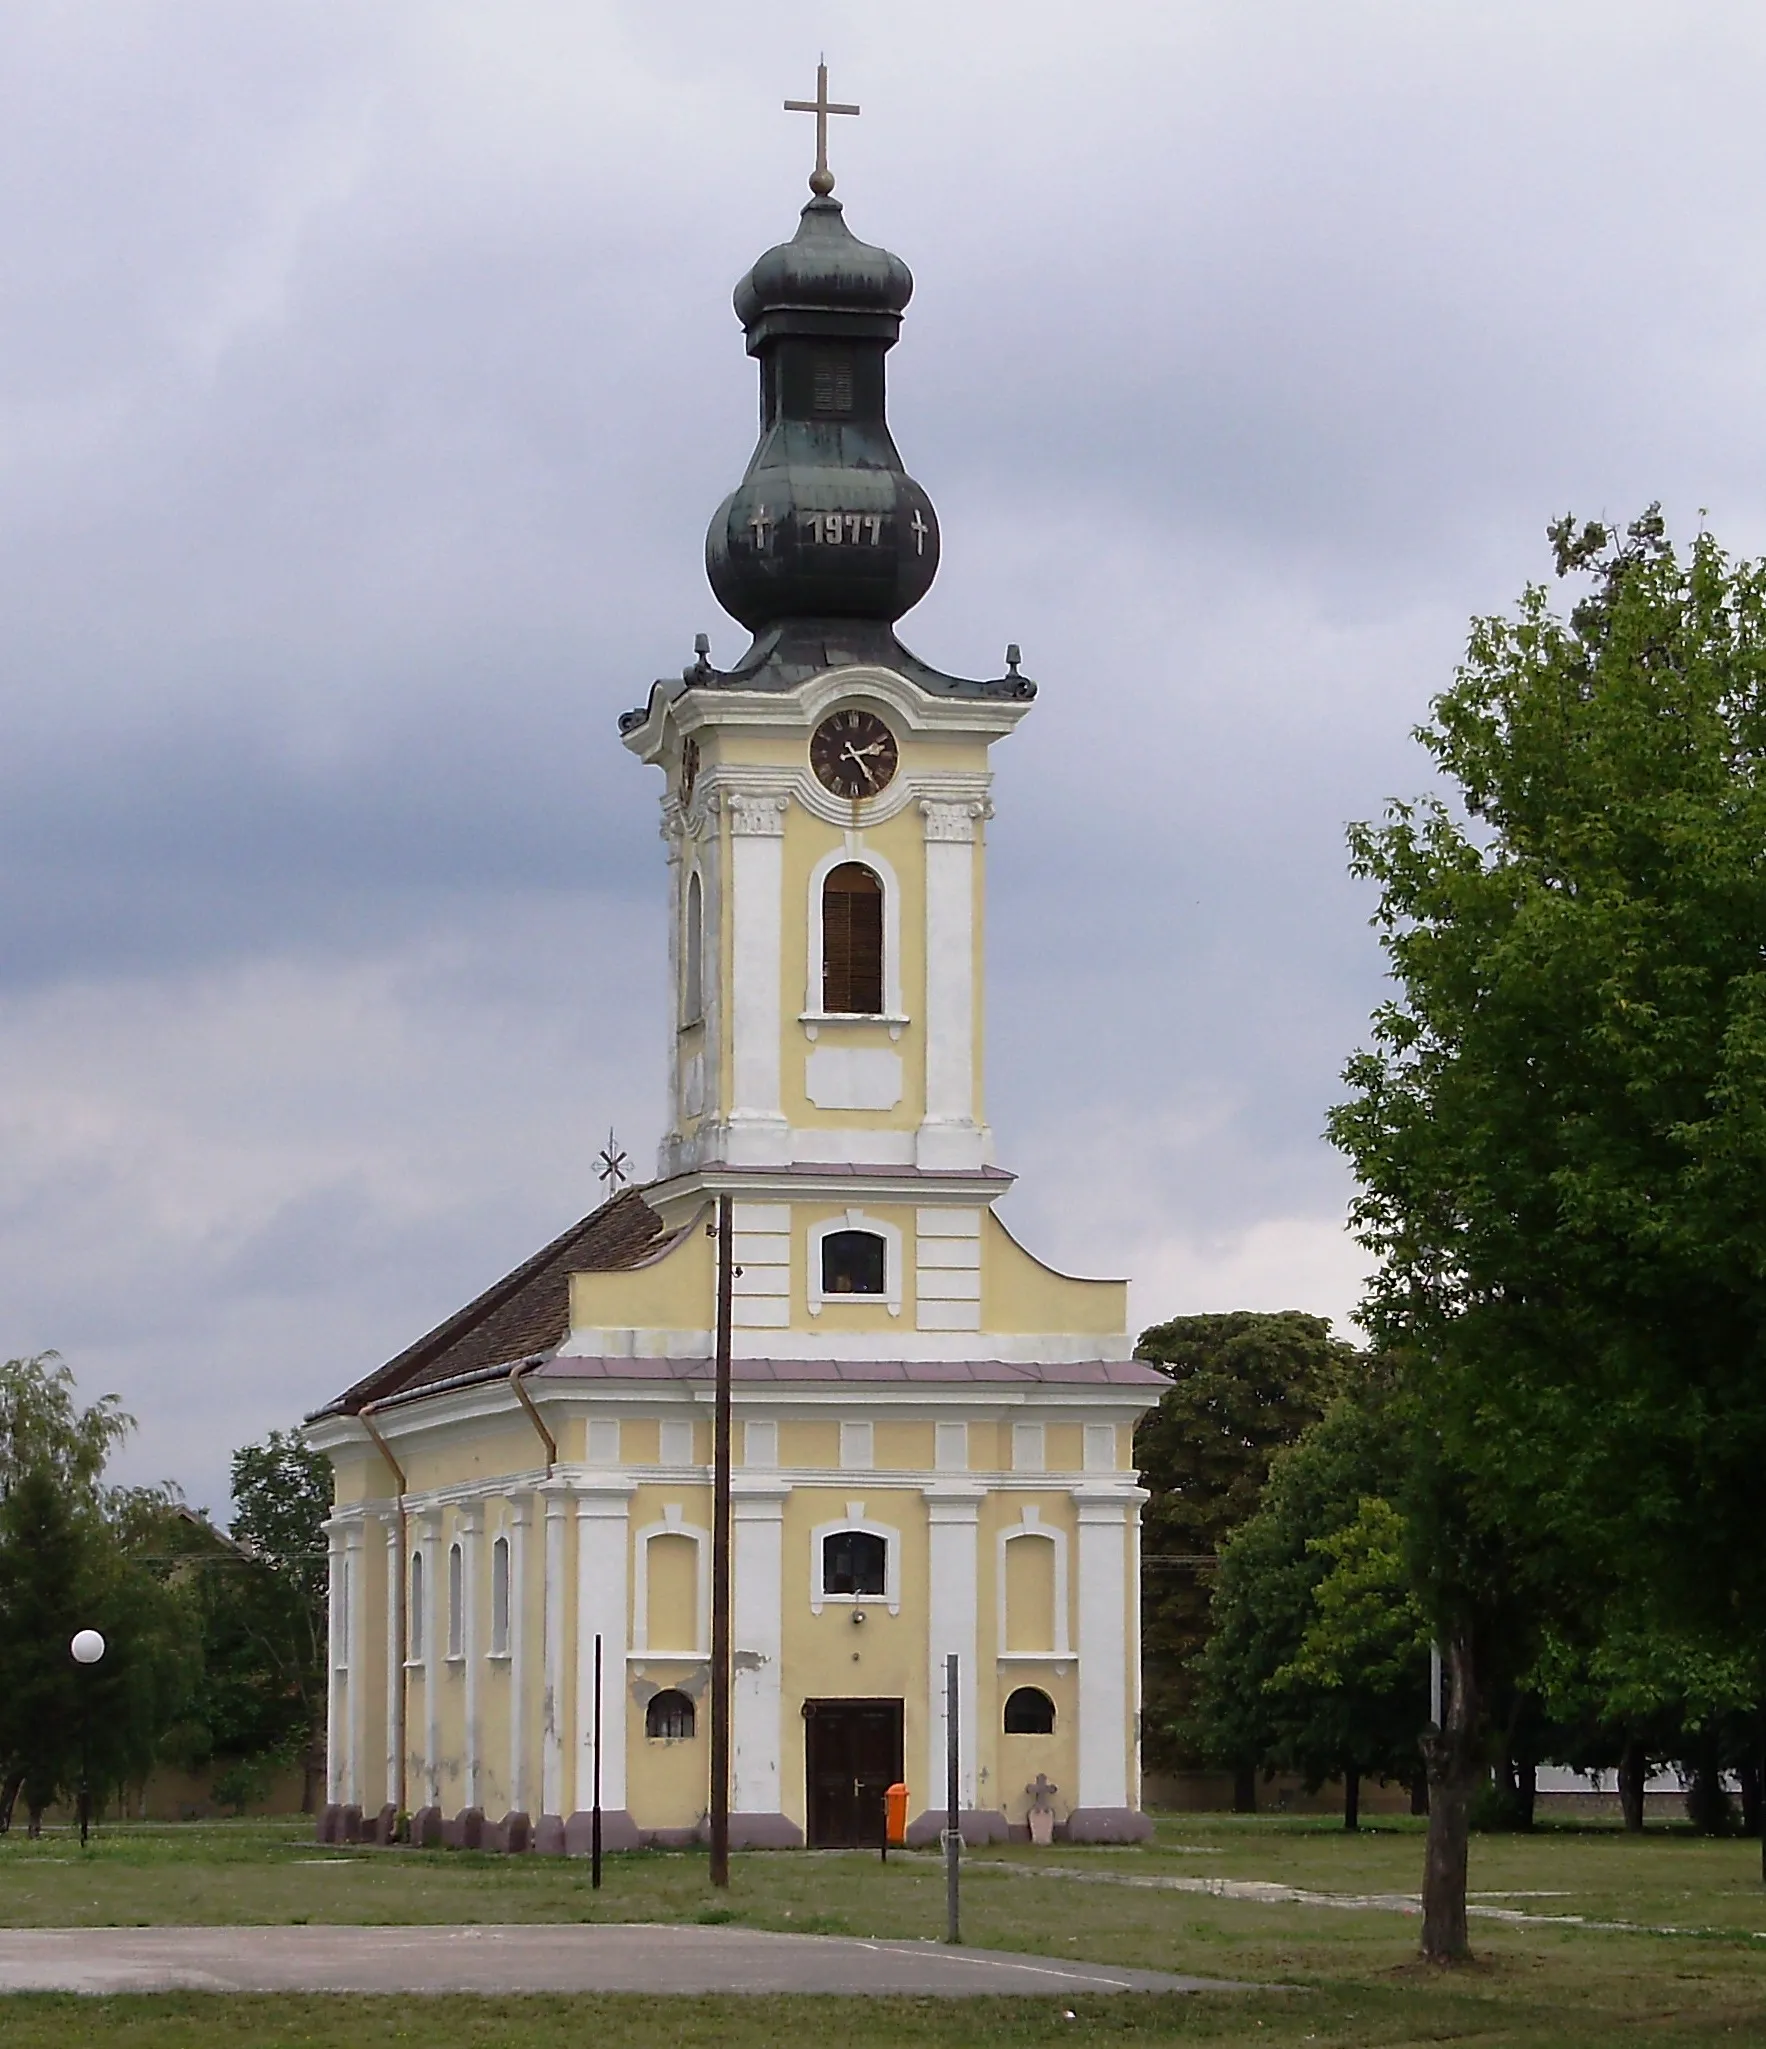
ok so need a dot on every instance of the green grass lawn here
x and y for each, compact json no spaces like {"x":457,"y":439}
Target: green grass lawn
{"x":1353,"y":1970}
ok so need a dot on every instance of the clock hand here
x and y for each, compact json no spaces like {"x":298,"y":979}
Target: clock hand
{"x":852,"y":754}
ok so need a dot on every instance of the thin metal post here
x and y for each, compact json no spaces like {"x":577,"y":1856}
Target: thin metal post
{"x":953,"y":1836}
{"x":720,"y":1553}
{"x":595,"y":1810}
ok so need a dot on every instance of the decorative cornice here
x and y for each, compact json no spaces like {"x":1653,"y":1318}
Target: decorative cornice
{"x":947,"y":821}
{"x":756,"y":814}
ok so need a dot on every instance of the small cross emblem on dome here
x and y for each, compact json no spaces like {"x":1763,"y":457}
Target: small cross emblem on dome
{"x":821,"y":181}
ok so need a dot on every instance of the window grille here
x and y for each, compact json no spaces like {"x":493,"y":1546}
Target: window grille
{"x":669,"y":1717}
{"x":852,"y":942}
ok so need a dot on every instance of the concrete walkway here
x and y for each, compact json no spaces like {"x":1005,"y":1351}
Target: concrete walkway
{"x":537,"y":1957}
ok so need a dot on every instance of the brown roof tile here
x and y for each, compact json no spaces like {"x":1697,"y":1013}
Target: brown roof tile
{"x":527,"y":1311}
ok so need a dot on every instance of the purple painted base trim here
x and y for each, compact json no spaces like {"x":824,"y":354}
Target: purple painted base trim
{"x":978,"y":1824}
{"x":548,"y":1836}
{"x":618,"y":1832}
{"x":671,"y":1838}
{"x":328,"y":1823}
{"x":426,"y":1829}
{"x":1108,"y":1825}
{"x":515,"y":1833}
{"x":764,"y":1832}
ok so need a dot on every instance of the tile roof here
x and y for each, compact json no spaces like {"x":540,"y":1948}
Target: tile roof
{"x":527,"y":1311}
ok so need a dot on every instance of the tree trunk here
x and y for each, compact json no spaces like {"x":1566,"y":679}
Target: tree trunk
{"x":35,"y":1828}
{"x":312,"y":1775}
{"x":1419,"y":1794}
{"x":1451,"y":1755}
{"x":9,"y":1800}
{"x":1245,"y":1789}
{"x":1351,"y":1798}
{"x":1749,"y":1775}
{"x":1633,"y":1776}
{"x":1526,"y":1793}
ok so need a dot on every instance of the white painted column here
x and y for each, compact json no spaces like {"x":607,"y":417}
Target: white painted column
{"x":520,"y":1686}
{"x":470,"y":1530}
{"x":435,"y":1652}
{"x":336,"y":1678}
{"x":1103,"y":1648}
{"x":355,"y":1656}
{"x":948,"y":1135}
{"x":603,"y":1546}
{"x":1134,"y":1652}
{"x":395,"y":1660}
{"x":552,"y":1720}
{"x":954,"y":1515}
{"x":758,"y":1518}
{"x":758,"y":1135}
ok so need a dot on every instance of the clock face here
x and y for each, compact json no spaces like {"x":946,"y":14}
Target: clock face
{"x":853,"y":754}
{"x":689,"y":767}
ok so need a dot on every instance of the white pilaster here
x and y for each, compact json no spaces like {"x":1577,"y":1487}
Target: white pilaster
{"x":1103,"y":1648}
{"x":395,"y":1660}
{"x":948,"y":1135}
{"x":355,"y":1654}
{"x":552,"y":1720}
{"x":435,"y":1652}
{"x":336,"y":1678}
{"x":470,"y":1529}
{"x":603,"y":1516}
{"x":757,"y":1133}
{"x":758,"y":1515}
{"x":953,"y":1513}
{"x":520,"y":1683}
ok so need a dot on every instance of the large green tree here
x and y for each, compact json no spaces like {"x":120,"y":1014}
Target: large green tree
{"x":1244,"y":1384}
{"x":1559,"y":1129}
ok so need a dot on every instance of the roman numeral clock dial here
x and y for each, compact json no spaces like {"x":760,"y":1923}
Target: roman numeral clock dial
{"x":854,"y":754}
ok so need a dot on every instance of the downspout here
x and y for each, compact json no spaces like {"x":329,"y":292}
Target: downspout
{"x":533,"y":1415}
{"x":401,"y":1633}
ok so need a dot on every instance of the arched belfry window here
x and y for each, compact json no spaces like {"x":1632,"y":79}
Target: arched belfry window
{"x":855,"y":1562}
{"x":852,"y":941}
{"x":853,"y":1263}
{"x":693,"y":954}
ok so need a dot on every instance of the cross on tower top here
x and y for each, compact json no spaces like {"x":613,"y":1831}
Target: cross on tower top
{"x":821,"y":179}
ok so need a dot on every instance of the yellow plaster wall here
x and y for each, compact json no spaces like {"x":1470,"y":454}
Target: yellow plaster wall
{"x":815,"y":1445}
{"x":676,"y":1290}
{"x":667,"y":1779}
{"x":1030,"y":1594}
{"x":1019,"y":1293}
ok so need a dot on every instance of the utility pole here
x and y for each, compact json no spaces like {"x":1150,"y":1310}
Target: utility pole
{"x":720,"y":1553}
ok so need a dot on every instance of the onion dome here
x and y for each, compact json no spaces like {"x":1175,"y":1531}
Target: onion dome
{"x":826,"y":524}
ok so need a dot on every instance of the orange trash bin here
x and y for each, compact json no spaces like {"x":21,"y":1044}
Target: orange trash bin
{"x":895,"y":1808}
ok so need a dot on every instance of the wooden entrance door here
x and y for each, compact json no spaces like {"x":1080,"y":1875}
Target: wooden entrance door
{"x":852,"y":1750}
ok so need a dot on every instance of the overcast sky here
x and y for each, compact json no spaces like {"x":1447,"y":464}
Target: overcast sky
{"x":367,"y":379}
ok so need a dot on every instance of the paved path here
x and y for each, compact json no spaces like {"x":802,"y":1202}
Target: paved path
{"x":536,"y":1957}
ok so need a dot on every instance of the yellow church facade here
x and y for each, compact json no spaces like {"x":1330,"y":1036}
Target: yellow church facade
{"x":933,"y":1430}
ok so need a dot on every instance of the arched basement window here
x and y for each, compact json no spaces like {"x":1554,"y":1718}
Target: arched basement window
{"x":1029,"y":1712}
{"x":669,"y":1717}
{"x":855,"y":1562}
{"x":852,"y":941}
{"x":853,"y":1263}
{"x":693,"y":967}
{"x":414,"y":1615}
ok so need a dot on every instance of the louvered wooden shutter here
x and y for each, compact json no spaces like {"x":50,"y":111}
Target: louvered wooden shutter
{"x":852,"y":941}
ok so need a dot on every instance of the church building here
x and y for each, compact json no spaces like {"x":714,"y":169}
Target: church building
{"x":933,"y":1430}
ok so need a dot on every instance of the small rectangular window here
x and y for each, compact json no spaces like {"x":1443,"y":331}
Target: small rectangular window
{"x":500,"y":1598}
{"x":951,"y":1448}
{"x":760,"y":1445}
{"x":856,"y":1447}
{"x":414,"y":1616}
{"x":831,"y":383}
{"x":604,"y":1443}
{"x":1100,"y":1447}
{"x":1027,"y":1448}
{"x":677,"y":1442}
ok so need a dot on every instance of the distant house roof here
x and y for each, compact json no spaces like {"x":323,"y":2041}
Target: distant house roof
{"x":526,"y":1312}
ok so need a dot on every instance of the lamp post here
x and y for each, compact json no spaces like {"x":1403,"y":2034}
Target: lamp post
{"x":87,"y":1648}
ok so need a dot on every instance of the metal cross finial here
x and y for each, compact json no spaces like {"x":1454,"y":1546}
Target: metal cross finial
{"x":613,"y":1165}
{"x":821,"y":179}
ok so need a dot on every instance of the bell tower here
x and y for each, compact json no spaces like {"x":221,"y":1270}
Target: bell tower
{"x":827,"y":795}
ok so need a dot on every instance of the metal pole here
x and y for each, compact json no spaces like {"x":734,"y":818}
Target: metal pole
{"x":85,"y":1765}
{"x":720,"y":1553}
{"x":953,"y":1838}
{"x":595,"y":1812}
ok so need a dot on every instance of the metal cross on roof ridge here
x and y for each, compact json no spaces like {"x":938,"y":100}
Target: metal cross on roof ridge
{"x":821,"y":179}
{"x":614,"y":1163}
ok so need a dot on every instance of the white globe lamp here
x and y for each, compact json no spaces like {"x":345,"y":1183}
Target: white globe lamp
{"x":87,"y":1647}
